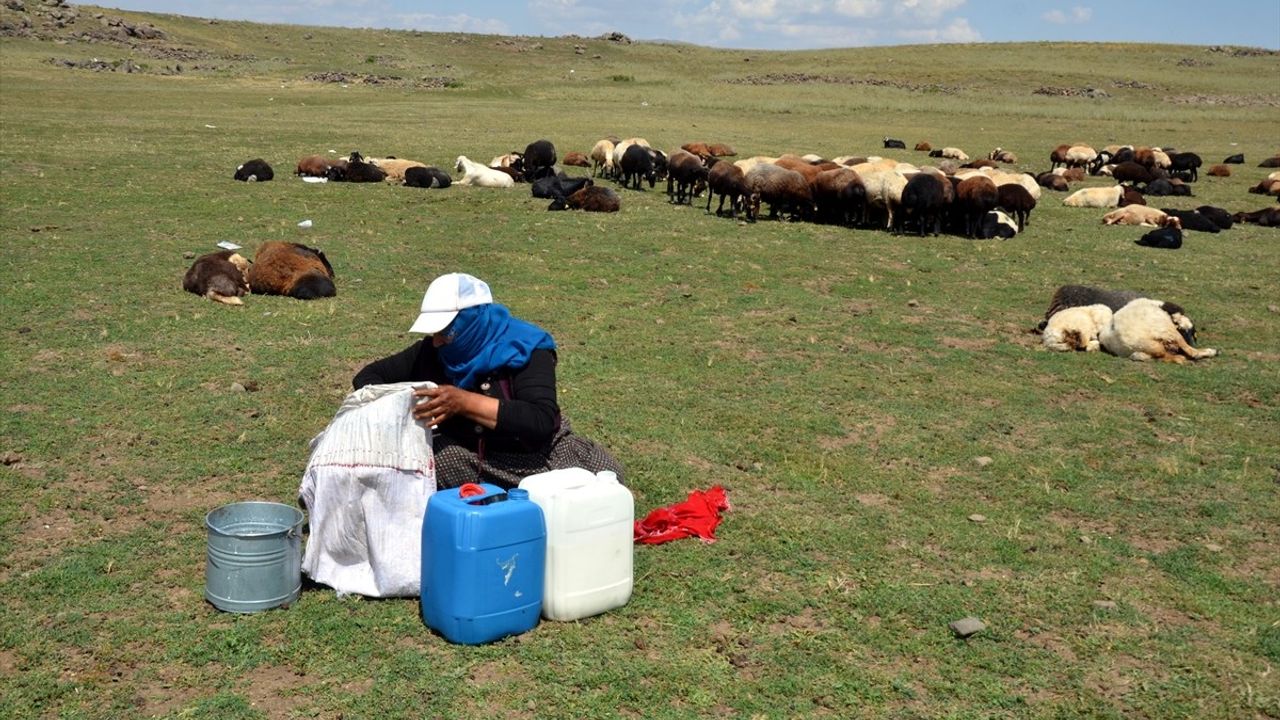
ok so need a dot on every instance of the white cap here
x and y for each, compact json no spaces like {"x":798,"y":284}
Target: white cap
{"x":446,"y":295}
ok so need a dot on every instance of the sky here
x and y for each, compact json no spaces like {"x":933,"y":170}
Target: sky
{"x":781,"y":24}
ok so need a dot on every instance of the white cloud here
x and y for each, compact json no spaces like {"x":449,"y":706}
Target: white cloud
{"x":1077,"y":15}
{"x":811,"y":35}
{"x":928,"y":10}
{"x":450,"y":23}
{"x":958,"y":31}
{"x":761,"y":9}
{"x":858,"y":8}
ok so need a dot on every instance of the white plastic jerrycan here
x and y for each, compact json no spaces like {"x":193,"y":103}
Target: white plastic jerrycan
{"x":590,"y":524}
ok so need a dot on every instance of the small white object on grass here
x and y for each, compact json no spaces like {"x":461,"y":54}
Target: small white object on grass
{"x":314,"y":179}
{"x":304,"y":224}
{"x":228,"y":245}
{"x":211,"y":127}
{"x":967,"y":627}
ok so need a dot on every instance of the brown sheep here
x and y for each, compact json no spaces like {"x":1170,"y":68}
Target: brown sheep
{"x":1219,"y":171}
{"x":595,"y":198}
{"x":722,"y":150}
{"x":700,"y":149}
{"x":1132,"y":197}
{"x":782,"y":188}
{"x":219,"y":276}
{"x":285,"y":268}
{"x":576,"y":159}
{"x":1266,"y":217}
{"x":975,"y":197}
{"x":840,"y":196}
{"x":1051,"y":181}
{"x":1271,"y":162}
{"x":798,"y":164}
{"x":1017,"y":201}
{"x":923,"y":146}
{"x":318,"y":165}
{"x":1058,"y":156}
{"x":728,"y":181}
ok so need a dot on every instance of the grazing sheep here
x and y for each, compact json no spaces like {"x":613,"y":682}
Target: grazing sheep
{"x":883,"y":191}
{"x":1097,"y":197}
{"x":1017,"y":201}
{"x":1050,"y":181}
{"x":539,"y":159}
{"x":576,"y":159}
{"x":1219,"y":216}
{"x":1140,"y":215}
{"x":1193,"y":220}
{"x":686,"y":177}
{"x":996,"y":224}
{"x":256,"y":170}
{"x":923,"y":146}
{"x":1165,"y":238}
{"x":602,"y":158}
{"x":1132,"y":173}
{"x":1237,"y":159}
{"x":285,"y":268}
{"x":595,"y":198}
{"x":317,"y":165}
{"x":975,"y":197}
{"x":219,"y":276}
{"x":1143,"y":330}
{"x":357,"y":171}
{"x":1185,"y":165}
{"x":840,"y":196}
{"x":1058,"y":157}
{"x":722,"y":150}
{"x":728,"y":181}
{"x":1076,"y":328}
{"x":636,"y":165}
{"x":427,"y":177}
{"x":1270,"y":162}
{"x":395,"y":167}
{"x":475,"y":174}
{"x":923,"y":202}
{"x":783,"y":189}
{"x":1219,"y":171}
{"x":894,"y":143}
{"x":1267,"y":217}
{"x":1080,"y":156}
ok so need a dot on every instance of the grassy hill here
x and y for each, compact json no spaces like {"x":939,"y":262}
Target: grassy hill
{"x":861,"y":395}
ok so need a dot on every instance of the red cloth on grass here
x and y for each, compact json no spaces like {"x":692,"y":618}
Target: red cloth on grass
{"x":698,"y":516}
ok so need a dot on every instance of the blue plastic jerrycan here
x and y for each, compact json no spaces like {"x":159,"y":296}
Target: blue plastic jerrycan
{"x":483,"y":563}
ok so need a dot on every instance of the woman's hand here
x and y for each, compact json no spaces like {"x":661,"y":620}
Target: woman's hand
{"x":446,"y":401}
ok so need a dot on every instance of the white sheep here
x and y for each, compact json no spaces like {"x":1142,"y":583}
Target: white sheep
{"x":602,"y":158}
{"x":955,"y":154}
{"x":1080,"y":155}
{"x":1143,"y":330}
{"x":1076,"y":328}
{"x":1141,"y":215}
{"x":884,"y":190}
{"x":1096,"y":197}
{"x":394,"y":167}
{"x":473,"y":173}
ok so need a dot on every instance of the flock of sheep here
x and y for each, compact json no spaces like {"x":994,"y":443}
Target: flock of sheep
{"x":976,"y":198}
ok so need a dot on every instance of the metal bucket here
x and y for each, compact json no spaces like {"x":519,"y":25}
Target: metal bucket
{"x":254,"y":557}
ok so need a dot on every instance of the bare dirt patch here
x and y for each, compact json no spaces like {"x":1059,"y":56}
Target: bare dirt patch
{"x":968,"y":343}
{"x":797,"y":78}
{"x":276,"y":691}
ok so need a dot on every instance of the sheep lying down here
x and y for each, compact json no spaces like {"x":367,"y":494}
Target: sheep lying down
{"x":1077,"y":328}
{"x":1141,"y":330}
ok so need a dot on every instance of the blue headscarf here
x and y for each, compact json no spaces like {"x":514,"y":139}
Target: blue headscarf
{"x":486,"y":338}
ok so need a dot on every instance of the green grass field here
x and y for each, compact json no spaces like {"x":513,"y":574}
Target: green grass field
{"x":859,"y":394}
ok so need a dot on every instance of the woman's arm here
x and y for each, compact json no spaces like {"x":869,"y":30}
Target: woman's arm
{"x":530,"y":414}
{"x":407,"y":365}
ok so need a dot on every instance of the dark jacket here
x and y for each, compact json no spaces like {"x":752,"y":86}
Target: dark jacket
{"x":528,"y":415}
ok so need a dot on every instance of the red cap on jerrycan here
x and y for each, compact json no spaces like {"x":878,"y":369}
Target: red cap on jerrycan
{"x":470,"y":490}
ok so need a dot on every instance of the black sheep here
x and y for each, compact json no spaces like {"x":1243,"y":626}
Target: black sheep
{"x":1050,"y":181}
{"x":1165,"y":238}
{"x":558,"y":188}
{"x":219,"y":276}
{"x":686,"y":177}
{"x":539,"y":159}
{"x":1220,"y":217}
{"x":357,"y":171}
{"x":922,"y":201}
{"x":996,"y":224}
{"x":728,"y":181}
{"x":1270,"y":162}
{"x":1132,"y":173}
{"x":1193,"y":220}
{"x":894,"y":143}
{"x":1163,"y":187}
{"x":1266,"y":217}
{"x":427,"y":177}
{"x":1237,"y":159}
{"x":1185,"y":165}
{"x":637,"y":164}
{"x":256,"y":170}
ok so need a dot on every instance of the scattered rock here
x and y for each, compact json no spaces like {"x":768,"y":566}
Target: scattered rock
{"x":913,"y":303}
{"x":188,"y":255}
{"x":350,"y":78}
{"x":237,"y":387}
{"x":616,"y":37}
{"x":10,"y":458}
{"x":983,"y":460}
{"x":1054,"y":91}
{"x":1104,"y":605}
{"x":965,"y":628}
{"x":803,"y":78}
{"x":1274,"y":308}
{"x":977,"y":518}
{"x":252,"y":386}
{"x":1213,"y":547}
{"x":1085,"y":539}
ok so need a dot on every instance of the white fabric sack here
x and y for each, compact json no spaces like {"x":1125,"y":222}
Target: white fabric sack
{"x":365,"y":489}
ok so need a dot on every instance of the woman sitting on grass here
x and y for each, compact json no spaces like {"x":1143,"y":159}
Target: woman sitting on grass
{"x":494,"y":409}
